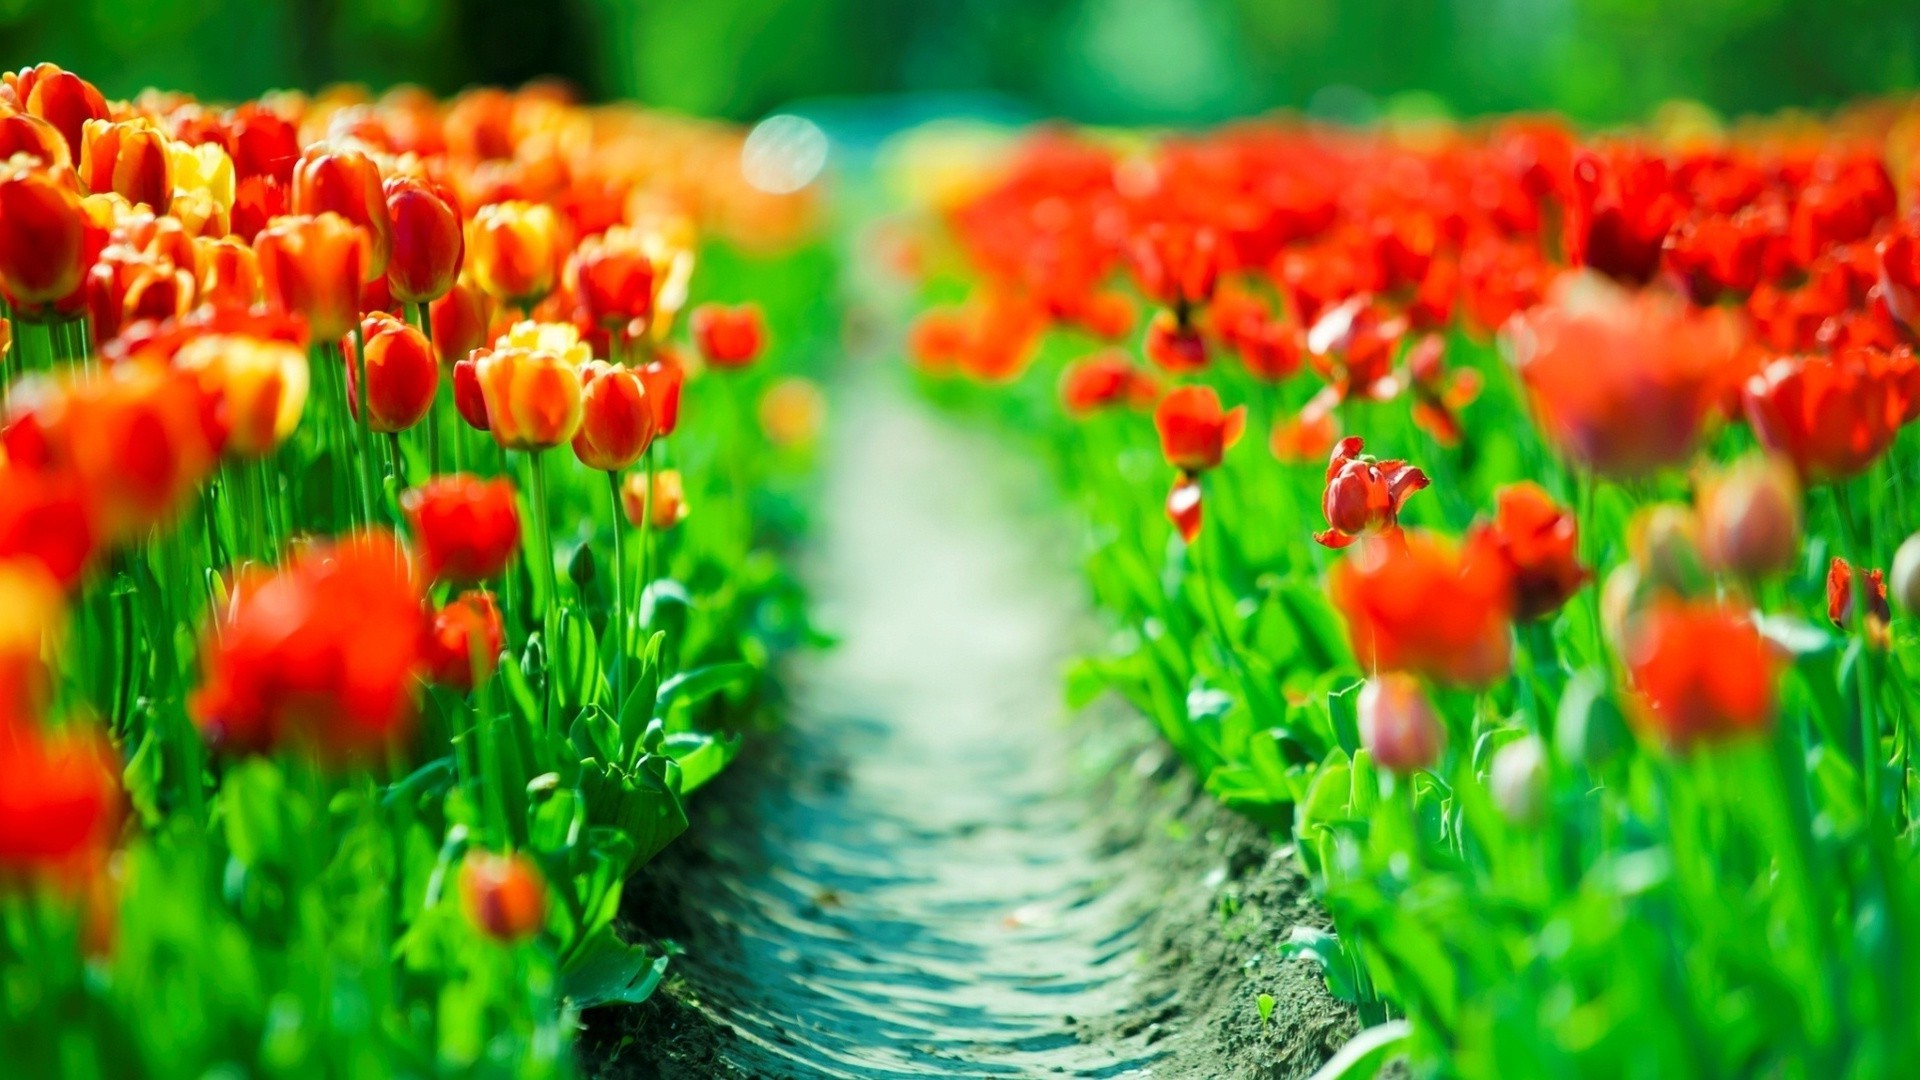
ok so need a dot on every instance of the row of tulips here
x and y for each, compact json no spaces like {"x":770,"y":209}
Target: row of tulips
{"x":368,"y":607}
{"x":1563,"y":618}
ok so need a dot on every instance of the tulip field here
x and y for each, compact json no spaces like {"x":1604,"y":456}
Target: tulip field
{"x":401,"y":499}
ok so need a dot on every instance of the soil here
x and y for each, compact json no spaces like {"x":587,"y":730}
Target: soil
{"x":931,"y":870}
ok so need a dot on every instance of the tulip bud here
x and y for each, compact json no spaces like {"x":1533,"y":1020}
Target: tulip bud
{"x":504,"y":895}
{"x":465,"y":528}
{"x":347,"y":183}
{"x":428,"y":242}
{"x":515,"y":250}
{"x":132,"y":158}
{"x":665,"y":509}
{"x":616,"y":419}
{"x":1665,"y":542}
{"x":1906,"y":574}
{"x":1750,"y":518}
{"x":463,"y":648}
{"x":1185,"y":507}
{"x":401,"y":375}
{"x":663,"y":377}
{"x":313,"y":266}
{"x":729,"y":337}
{"x":1519,"y":780}
{"x":1398,"y":726}
{"x":43,"y":238}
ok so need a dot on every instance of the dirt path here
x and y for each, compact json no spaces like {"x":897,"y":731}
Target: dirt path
{"x":929,"y":872}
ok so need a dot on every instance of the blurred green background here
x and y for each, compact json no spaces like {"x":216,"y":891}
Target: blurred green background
{"x":1154,"y":61}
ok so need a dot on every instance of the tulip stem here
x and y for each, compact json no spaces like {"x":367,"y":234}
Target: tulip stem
{"x":399,"y":455}
{"x":619,"y":627}
{"x":1862,"y":614}
{"x":425,"y":320}
{"x":543,"y":551}
{"x":363,"y":430}
{"x":646,"y":533}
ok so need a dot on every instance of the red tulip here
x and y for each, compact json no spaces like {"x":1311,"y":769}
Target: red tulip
{"x":1702,"y":671}
{"x":1364,"y":494}
{"x":1540,"y":543}
{"x":1833,"y":415}
{"x":663,"y":377}
{"x":1622,"y":383}
{"x":429,"y":243}
{"x":323,"y":653}
{"x":466,"y":529}
{"x":729,"y":337}
{"x":1415,"y":602}
{"x":313,"y":267}
{"x":1184,"y":507}
{"x":1622,"y":208}
{"x":460,"y":321}
{"x":616,"y":419}
{"x":1105,"y":379}
{"x":25,"y":133}
{"x":464,"y":643}
{"x":1174,"y":347}
{"x":46,"y":519}
{"x":1194,"y":431}
{"x":132,"y":158}
{"x":1840,"y":598}
{"x":229,"y":273}
{"x":612,"y":279}
{"x":347,"y":183}
{"x":504,"y":895}
{"x":60,"y":805}
{"x":468,"y":399}
{"x":43,"y":238}
{"x":127,"y":285}
{"x":402,"y":377}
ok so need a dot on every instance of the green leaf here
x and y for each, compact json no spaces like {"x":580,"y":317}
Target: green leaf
{"x":701,"y":755}
{"x":1368,"y":1052}
{"x":604,"y":970}
{"x":698,"y":684}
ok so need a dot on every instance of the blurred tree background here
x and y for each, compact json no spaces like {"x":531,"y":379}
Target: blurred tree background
{"x":1106,"y":61}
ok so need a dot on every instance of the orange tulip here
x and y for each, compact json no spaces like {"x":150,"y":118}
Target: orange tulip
{"x":131,"y":158}
{"x":43,"y":238}
{"x":1363,"y":494}
{"x":260,"y":385}
{"x":1702,"y":671}
{"x":530,"y":383}
{"x":1195,"y":432}
{"x":616,"y":419}
{"x":1540,"y":544}
{"x":1834,"y":415}
{"x":1416,"y":602}
{"x":664,"y":508}
{"x":515,"y":248}
{"x":313,"y":267}
{"x":347,"y":183}
{"x":792,"y":411}
{"x":429,"y":244}
{"x":1622,"y":383}
{"x":27,"y":134}
{"x":729,"y":337}
{"x":61,"y":98}
{"x":402,"y":377}
{"x":504,"y":895}
{"x":464,"y":643}
{"x":612,"y":279}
